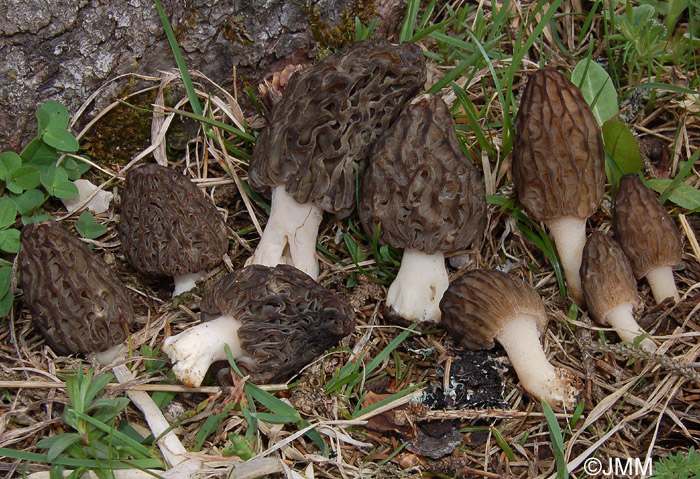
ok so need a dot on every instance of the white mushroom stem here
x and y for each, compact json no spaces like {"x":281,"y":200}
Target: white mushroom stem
{"x":569,"y":235}
{"x":662,"y":284}
{"x":416,"y":291}
{"x":186,"y":282}
{"x":290,"y":234}
{"x":621,"y":319}
{"x":195,"y":349}
{"x":108,"y":356}
{"x":521,"y":340}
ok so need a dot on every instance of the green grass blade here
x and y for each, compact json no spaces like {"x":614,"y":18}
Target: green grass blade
{"x":557,"y":441}
{"x":387,"y":400}
{"x":118,"y":437}
{"x":177,"y":53}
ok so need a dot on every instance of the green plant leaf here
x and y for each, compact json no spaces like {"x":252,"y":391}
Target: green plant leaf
{"x":23,"y":178}
{"x":36,"y":217}
{"x":557,"y":441}
{"x":9,"y":161}
{"x":5,"y":278}
{"x":8,"y":212}
{"x":683,"y":195}
{"x":88,"y":228}
{"x":52,"y":113}
{"x":597,"y":88}
{"x":622,"y":146}
{"x":55,"y":180}
{"x":28,"y":201}
{"x":60,"y":138}
{"x":6,"y":301}
{"x":9,"y":241}
{"x":61,"y":443}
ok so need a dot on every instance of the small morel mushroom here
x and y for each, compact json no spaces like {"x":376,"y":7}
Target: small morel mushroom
{"x":319,"y":135}
{"x":76,"y":300}
{"x":274,"y":320}
{"x":425,"y":196}
{"x":610,"y":289}
{"x":169,"y":227}
{"x":648,"y":236}
{"x":484,"y":306}
{"x":559,"y":164}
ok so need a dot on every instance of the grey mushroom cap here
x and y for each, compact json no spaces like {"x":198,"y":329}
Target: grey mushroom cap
{"x":558,"y":156}
{"x":76,"y":301}
{"x":168,"y":226}
{"x":321,"y":131}
{"x":644,"y":228}
{"x":478,"y":306}
{"x":607,"y":276}
{"x":287,"y":319}
{"x":420,"y":187}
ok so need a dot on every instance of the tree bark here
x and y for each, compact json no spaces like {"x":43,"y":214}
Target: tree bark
{"x":66,"y":49}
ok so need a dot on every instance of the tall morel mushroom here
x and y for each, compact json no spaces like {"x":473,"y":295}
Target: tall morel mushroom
{"x":425,"y":196}
{"x":559,"y":164}
{"x":484,"y":306}
{"x":318,"y":137}
{"x":169,"y":227}
{"x":274,"y":320}
{"x":610,"y":289}
{"x":648,"y":236}
{"x":76,"y":300}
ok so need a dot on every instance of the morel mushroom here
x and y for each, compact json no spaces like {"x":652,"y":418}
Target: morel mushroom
{"x":168,"y":226}
{"x":319,"y":136}
{"x":274,"y":320}
{"x":559,"y":164}
{"x":484,"y":306}
{"x":425,"y":196}
{"x":76,"y":300}
{"x":648,"y":236}
{"x":610,"y":289}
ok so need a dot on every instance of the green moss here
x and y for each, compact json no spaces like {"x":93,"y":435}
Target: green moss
{"x":122,"y":133}
{"x":329,"y":38}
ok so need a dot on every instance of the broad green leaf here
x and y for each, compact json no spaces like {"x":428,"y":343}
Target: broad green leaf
{"x":683,"y":195}
{"x":9,"y":241}
{"x":622,"y":146}
{"x":597,"y":88}
{"x":61,"y":443}
{"x":52,"y":113}
{"x":74,"y":168}
{"x":39,"y":154}
{"x":38,"y":216}
{"x":60,"y":138}
{"x":28,"y":201}
{"x":6,"y":303}
{"x":55,"y":180}
{"x":8,"y":212}
{"x":23,"y":178}
{"x":9,"y":161}
{"x":88,"y":228}
{"x":5,"y":278}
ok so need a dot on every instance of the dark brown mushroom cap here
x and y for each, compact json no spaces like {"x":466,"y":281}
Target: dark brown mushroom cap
{"x":76,"y":300}
{"x":288,"y":319}
{"x":331,"y":113}
{"x":168,"y":226}
{"x":477,"y":306}
{"x":420,"y":186}
{"x":606,"y":275}
{"x":644,"y":228}
{"x":558,"y":156}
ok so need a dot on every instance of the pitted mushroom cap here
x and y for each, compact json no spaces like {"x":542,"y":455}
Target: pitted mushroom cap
{"x":288,"y":319}
{"x":477,"y":306}
{"x":420,"y":186}
{"x":168,"y":226}
{"x":607,"y":277}
{"x":330,"y":115}
{"x":644,"y":228}
{"x":558,"y":156}
{"x":76,"y":300}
